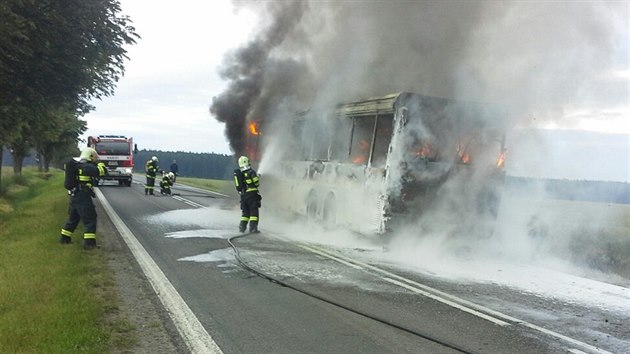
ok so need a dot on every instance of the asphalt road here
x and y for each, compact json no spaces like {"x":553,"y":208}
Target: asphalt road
{"x":294,"y":297}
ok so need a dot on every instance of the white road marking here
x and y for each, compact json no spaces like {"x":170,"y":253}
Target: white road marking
{"x":192,"y":331}
{"x":447,"y":302}
{"x":577,"y":351}
{"x":331,"y":257}
{"x":433,"y":293}
{"x":189,"y":202}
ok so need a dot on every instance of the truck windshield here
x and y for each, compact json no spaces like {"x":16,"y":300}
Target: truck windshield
{"x":113,"y":148}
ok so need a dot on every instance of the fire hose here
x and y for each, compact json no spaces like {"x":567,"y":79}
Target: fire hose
{"x":332,"y":302}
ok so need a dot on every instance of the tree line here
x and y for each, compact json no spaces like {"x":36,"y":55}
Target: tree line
{"x":191,"y":164}
{"x":201,"y":165}
{"x":55,"y":57}
{"x":574,"y":190}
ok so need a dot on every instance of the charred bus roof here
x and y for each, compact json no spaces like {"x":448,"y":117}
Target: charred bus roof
{"x":462,"y":111}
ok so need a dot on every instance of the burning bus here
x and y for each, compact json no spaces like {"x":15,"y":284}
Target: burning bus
{"x":373,"y":164}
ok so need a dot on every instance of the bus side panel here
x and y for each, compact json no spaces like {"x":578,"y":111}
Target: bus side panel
{"x":332,"y":194}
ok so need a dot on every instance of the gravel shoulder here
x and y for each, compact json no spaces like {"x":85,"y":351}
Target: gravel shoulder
{"x":138,"y":305}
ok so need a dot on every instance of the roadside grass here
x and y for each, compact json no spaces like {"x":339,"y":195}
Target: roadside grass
{"x":215,"y":185}
{"x":10,"y":189}
{"x":608,"y":250}
{"x":54,"y":298}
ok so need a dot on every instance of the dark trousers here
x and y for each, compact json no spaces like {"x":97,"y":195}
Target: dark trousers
{"x":250,"y":202}
{"x":148,"y":188}
{"x":81,"y":208}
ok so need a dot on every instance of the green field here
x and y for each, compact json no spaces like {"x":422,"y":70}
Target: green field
{"x":215,"y":185}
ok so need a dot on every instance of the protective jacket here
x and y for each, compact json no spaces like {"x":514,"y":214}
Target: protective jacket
{"x":246,"y":181}
{"x":86,"y":172}
{"x":152,"y":168}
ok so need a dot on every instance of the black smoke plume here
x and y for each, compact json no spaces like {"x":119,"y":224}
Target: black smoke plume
{"x":246,"y":68}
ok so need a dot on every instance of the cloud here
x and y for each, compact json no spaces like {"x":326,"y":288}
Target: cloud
{"x":162,"y":101}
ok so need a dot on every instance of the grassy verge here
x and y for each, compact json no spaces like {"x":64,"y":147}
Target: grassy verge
{"x":54,"y":298}
{"x":215,"y":185}
{"x":607,"y":250}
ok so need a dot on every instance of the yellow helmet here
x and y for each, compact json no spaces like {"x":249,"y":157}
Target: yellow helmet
{"x":89,"y":154}
{"x":243,"y":163}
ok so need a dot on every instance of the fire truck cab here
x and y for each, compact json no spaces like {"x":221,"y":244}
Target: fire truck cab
{"x":116,"y":151}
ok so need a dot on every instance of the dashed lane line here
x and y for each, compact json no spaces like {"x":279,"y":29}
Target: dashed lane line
{"x":189,"y":202}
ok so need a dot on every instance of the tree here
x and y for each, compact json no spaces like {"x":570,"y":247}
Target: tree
{"x":52,"y":135}
{"x":57,"y":54}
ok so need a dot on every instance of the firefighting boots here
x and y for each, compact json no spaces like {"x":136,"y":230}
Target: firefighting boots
{"x":89,"y":243}
{"x":64,"y":240}
{"x":242,"y":226}
{"x":253,"y":227}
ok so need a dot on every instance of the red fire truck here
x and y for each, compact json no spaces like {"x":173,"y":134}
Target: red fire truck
{"x":116,"y":151}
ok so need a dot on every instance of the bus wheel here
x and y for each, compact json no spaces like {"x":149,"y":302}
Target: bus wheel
{"x":311,"y":206}
{"x":330,"y":211}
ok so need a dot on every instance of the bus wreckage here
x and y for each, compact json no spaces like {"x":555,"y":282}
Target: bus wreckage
{"x":375,"y":164}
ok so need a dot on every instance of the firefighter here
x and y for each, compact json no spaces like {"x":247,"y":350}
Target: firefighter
{"x":247,"y":181}
{"x":166,"y":183}
{"x":81,"y":206}
{"x":151,"y":168}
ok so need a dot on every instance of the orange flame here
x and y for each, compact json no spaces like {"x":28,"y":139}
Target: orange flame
{"x":425,"y":151}
{"x":464,"y":157}
{"x":253,"y":128}
{"x":359,"y":159}
{"x":501,"y":159}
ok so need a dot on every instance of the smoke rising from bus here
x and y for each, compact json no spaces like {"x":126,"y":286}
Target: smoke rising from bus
{"x":251,"y":68}
{"x":535,"y":61}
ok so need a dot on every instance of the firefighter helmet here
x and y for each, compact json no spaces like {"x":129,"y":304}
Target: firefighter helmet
{"x":243,"y":163}
{"x":154,"y":158}
{"x":89,"y":154}
{"x":171,"y":175}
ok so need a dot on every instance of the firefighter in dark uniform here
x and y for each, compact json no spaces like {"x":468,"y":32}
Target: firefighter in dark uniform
{"x":81,"y":205}
{"x":152,"y":167}
{"x":166,"y":183}
{"x":247,"y":181}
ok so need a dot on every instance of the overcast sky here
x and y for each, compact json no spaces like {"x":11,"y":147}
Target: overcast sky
{"x":163,"y":100}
